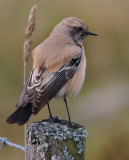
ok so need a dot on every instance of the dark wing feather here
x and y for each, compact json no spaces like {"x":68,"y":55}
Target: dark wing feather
{"x":23,"y":99}
{"x":28,"y":91}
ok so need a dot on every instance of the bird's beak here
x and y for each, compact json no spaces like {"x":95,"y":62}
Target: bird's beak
{"x":91,"y":33}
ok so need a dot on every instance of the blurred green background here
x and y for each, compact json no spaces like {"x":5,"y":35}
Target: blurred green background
{"x":103,"y":104}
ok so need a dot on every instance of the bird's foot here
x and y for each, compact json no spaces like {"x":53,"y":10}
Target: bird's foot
{"x":53,"y":119}
{"x":70,"y":124}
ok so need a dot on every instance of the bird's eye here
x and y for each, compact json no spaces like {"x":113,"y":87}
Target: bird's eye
{"x":79,"y":28}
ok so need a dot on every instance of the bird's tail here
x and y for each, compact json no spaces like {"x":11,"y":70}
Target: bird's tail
{"x":21,"y":115}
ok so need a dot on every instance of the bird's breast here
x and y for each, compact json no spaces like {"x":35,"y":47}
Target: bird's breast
{"x":74,"y":85}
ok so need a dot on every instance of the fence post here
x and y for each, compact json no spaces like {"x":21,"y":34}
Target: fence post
{"x":55,"y":139}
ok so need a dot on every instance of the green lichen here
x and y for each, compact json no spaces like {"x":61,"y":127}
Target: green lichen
{"x":56,"y":139}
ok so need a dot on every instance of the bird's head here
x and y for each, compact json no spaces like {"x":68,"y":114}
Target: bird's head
{"x":76,"y":28}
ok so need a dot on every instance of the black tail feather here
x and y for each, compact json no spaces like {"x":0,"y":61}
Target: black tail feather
{"x":21,"y":115}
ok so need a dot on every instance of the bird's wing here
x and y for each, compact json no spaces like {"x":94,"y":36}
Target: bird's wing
{"x":54,"y":82}
{"x":40,"y":91}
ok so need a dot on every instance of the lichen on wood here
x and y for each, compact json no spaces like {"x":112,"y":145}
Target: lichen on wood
{"x":56,"y":139}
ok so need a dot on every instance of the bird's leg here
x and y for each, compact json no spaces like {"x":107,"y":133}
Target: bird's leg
{"x":49,"y":110}
{"x":65,"y":100}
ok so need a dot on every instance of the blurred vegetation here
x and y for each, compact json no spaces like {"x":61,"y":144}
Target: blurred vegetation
{"x":102,"y":108}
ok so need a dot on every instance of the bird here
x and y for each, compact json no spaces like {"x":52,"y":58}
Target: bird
{"x":59,"y":65}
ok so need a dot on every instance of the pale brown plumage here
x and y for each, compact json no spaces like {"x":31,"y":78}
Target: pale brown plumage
{"x":58,"y":69}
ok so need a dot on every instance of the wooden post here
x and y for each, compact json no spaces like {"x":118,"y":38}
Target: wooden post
{"x":55,"y":139}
